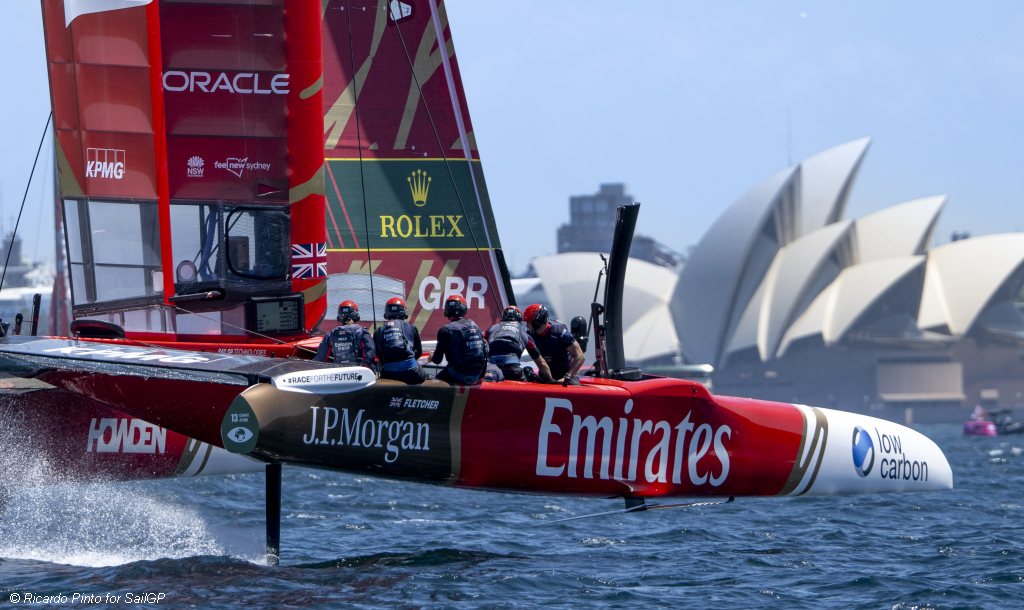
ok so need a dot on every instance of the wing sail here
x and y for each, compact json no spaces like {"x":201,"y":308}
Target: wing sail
{"x":407,"y":200}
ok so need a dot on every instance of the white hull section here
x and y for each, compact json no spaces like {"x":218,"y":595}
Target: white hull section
{"x":847,"y":453}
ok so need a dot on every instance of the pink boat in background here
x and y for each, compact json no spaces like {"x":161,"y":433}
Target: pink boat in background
{"x":992,"y":423}
{"x":980,"y":427}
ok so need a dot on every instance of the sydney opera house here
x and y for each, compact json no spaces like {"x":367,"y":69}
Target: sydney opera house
{"x":789,"y":300}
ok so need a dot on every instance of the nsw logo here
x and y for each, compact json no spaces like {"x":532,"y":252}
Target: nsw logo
{"x":196,"y":166}
{"x":863,"y":451}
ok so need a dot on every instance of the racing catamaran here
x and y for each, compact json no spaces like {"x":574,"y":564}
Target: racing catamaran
{"x":193,"y":178}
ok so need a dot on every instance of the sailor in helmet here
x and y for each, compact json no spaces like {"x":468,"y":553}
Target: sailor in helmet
{"x":348,"y":343}
{"x":399,"y":345}
{"x":462,"y":343}
{"x":507,"y":340}
{"x":556,"y":344}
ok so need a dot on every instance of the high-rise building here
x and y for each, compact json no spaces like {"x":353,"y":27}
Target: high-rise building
{"x":592,"y":224}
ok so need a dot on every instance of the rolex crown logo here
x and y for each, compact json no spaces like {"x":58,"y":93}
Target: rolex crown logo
{"x":419,"y":185}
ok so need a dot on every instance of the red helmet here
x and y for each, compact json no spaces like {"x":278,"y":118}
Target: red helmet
{"x":395,"y":309}
{"x":455,"y":307}
{"x":512,"y":314}
{"x":348,"y":311}
{"x":536,"y":316}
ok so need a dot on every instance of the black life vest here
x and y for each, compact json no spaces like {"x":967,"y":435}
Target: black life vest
{"x":507,"y":338}
{"x":394,"y":344}
{"x":347,"y":344}
{"x":467,"y":350}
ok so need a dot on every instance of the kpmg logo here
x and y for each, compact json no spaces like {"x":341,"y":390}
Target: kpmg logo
{"x":863,"y":451}
{"x":106,"y":163}
{"x":196,"y":167}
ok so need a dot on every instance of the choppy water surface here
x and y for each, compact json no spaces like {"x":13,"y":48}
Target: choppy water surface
{"x":357,"y":541}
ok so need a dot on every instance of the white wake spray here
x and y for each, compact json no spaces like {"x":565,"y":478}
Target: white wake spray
{"x":47,"y":518}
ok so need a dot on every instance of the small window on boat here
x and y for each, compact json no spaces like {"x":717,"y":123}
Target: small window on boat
{"x":113,"y":251}
{"x":257,"y":240}
{"x":236,"y":248}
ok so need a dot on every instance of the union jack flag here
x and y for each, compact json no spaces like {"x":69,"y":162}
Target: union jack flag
{"x":396,"y":401}
{"x":309,"y":261}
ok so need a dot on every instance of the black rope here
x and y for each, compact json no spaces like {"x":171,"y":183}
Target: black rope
{"x":42,"y":139}
{"x":179,"y":308}
{"x":362,"y":175}
{"x":444,"y":157}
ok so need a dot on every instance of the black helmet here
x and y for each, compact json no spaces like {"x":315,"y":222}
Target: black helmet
{"x":511,"y":314}
{"x":395,"y":309}
{"x":455,"y":307}
{"x":348,"y":311}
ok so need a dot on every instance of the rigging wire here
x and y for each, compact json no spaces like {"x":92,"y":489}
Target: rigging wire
{"x":362,"y":174}
{"x":444,"y":156}
{"x":181,"y":309}
{"x":42,"y":139}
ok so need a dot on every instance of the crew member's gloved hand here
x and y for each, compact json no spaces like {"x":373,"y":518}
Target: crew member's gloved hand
{"x":570,"y":380}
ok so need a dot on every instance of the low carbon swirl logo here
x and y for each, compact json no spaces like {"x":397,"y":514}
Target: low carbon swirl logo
{"x":863,"y":451}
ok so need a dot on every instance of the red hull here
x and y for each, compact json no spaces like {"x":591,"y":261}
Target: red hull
{"x":649,"y":438}
{"x":51,"y":435}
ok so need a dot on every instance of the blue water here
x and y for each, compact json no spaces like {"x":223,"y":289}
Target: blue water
{"x":352,"y":541}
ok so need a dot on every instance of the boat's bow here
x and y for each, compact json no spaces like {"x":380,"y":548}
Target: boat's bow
{"x":849,"y":453}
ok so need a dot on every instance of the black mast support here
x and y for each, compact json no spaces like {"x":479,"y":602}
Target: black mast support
{"x":625,"y":222}
{"x":273,"y":514}
{"x":36,"y":300}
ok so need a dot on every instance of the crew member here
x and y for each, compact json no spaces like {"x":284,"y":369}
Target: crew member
{"x":398,"y":345}
{"x":507,"y":340}
{"x":462,"y":343}
{"x":348,"y":343}
{"x":556,"y":344}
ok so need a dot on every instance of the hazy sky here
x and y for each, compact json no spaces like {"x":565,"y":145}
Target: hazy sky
{"x":689,"y":103}
{"x":24,"y":107}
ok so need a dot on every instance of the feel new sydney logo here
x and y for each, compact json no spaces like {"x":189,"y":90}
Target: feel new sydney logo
{"x":406,"y":226}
